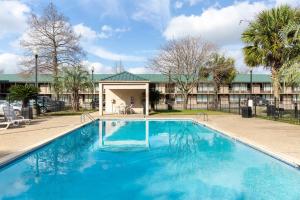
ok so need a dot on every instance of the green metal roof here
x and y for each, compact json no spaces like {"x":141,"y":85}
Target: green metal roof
{"x":19,"y":78}
{"x":124,"y":76}
{"x":256,"y":78}
{"x":154,"y":78}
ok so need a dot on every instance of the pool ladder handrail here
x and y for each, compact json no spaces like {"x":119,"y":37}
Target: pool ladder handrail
{"x":205,"y":115}
{"x":88,"y":115}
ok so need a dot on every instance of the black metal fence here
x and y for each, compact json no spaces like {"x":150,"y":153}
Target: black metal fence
{"x":284,"y":110}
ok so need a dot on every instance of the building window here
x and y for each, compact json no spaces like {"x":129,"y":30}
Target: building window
{"x":204,"y":98}
{"x":296,"y":89}
{"x":179,"y":99}
{"x":239,"y":87}
{"x":205,"y":87}
{"x":234,"y":98}
{"x":267,"y":87}
{"x":201,"y":98}
{"x":296,"y":98}
{"x":235,"y":87}
{"x":243,"y":87}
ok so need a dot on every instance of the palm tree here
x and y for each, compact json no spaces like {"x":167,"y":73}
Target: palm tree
{"x":23,"y":93}
{"x":222,"y":71}
{"x":263,"y":43}
{"x":290,"y":72}
{"x":76,"y":79}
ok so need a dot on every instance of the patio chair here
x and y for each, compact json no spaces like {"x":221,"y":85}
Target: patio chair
{"x":122,"y":109}
{"x":128,"y":109}
{"x":7,"y":124}
{"x":11,"y":116}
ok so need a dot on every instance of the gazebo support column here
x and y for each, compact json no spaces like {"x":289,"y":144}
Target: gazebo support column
{"x":100,"y":99}
{"x":147,"y":100}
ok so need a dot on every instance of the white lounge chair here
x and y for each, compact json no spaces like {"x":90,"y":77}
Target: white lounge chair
{"x":11,"y":116}
{"x":129,"y":109}
{"x":7,"y":124}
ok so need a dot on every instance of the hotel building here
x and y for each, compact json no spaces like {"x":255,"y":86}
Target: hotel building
{"x":125,"y":89}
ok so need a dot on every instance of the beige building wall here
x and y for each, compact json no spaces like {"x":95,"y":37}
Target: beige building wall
{"x":117,"y":99}
{"x":224,"y":90}
{"x":256,"y":89}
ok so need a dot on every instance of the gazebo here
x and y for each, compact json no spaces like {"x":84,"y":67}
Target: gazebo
{"x":123,"y":93}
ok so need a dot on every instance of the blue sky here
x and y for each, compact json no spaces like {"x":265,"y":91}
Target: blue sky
{"x":133,"y":30}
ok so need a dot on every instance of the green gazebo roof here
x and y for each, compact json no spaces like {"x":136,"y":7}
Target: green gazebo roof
{"x":124,"y":76}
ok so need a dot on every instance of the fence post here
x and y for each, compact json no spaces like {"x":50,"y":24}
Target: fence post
{"x":296,"y":110}
{"x":239,"y":105}
{"x":255,"y":105}
{"x":207,"y":101}
{"x":190,"y":102}
{"x":229,"y":103}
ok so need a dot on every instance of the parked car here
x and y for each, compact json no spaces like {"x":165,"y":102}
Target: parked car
{"x":260,"y":101}
{"x":46,"y":104}
{"x":17,"y":106}
{"x":95,"y":103}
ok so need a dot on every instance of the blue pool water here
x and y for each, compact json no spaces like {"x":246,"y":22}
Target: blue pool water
{"x":148,"y":160}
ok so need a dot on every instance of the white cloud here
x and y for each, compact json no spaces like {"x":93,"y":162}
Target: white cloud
{"x":98,"y":67}
{"x":88,"y":34}
{"x":90,"y":38}
{"x":155,"y":12}
{"x":178,"y":4}
{"x":9,"y":63}
{"x":12,"y":17}
{"x":221,"y":26}
{"x":139,"y":70}
{"x":107,"y":31}
{"x":105,"y":54}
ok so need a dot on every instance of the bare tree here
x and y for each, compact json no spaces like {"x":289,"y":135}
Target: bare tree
{"x":57,"y":44}
{"x":181,"y":61}
{"x":119,"y":67}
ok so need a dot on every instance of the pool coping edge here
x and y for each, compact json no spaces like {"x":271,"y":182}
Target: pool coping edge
{"x":6,"y":160}
{"x":261,"y":148}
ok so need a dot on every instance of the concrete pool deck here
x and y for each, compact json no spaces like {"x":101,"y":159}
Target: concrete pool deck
{"x":19,"y":140}
{"x":281,"y":140}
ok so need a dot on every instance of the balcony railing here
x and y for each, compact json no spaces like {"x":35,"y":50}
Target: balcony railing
{"x":170,"y":90}
{"x":205,"y":91}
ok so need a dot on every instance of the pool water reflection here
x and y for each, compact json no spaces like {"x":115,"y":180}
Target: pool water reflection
{"x":147,"y":160}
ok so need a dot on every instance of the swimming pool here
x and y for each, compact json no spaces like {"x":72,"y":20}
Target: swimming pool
{"x":141,"y":159}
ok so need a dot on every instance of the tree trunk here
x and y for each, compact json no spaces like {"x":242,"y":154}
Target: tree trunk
{"x":216,"y":97}
{"x":73,"y":101}
{"x":276,"y":85}
{"x":152,"y":104}
{"x":185,"y":101}
{"x":76,"y":101}
{"x":55,"y":70}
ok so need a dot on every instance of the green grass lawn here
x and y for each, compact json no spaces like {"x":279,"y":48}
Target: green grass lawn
{"x":67,"y":112}
{"x":186,"y":112}
{"x":289,"y":120}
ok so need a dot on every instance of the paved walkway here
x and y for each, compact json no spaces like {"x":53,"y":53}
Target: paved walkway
{"x":277,"y":138}
{"x":14,"y":141}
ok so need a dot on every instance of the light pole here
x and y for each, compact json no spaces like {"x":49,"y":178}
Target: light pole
{"x":35,"y":52}
{"x":93,"y":101}
{"x":251,"y":83}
